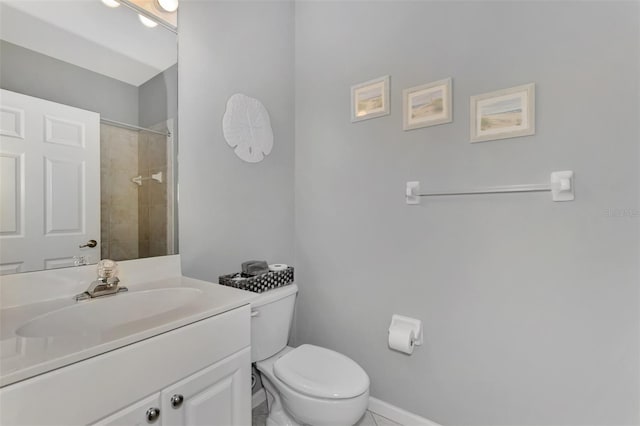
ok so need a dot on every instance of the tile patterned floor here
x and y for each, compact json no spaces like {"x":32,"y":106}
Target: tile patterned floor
{"x":259,"y":415}
{"x":369,"y":419}
{"x":373,"y":419}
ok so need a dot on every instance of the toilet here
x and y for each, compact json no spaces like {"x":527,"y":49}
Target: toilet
{"x":307,"y":385}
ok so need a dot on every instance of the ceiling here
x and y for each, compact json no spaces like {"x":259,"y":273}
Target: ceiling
{"x":86,"y":33}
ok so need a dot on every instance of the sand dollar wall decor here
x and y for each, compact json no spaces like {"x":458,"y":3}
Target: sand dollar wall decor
{"x":247,"y":128}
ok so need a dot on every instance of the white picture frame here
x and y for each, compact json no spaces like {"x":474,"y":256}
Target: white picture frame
{"x":506,"y":113}
{"x":427,"y":105}
{"x":370,"y":99}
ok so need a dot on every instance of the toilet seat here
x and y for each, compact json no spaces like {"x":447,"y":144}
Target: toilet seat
{"x":321,"y":373}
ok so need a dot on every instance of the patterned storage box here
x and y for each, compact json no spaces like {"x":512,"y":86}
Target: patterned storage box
{"x":258,"y":283}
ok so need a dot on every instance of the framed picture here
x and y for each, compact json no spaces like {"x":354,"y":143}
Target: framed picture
{"x":506,"y":113}
{"x":427,"y":105}
{"x":370,"y":99}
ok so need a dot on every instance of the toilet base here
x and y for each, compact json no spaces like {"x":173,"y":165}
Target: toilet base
{"x":277,"y":414}
{"x":290,"y":408}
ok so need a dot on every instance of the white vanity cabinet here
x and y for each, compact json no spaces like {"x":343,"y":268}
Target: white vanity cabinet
{"x":207,"y":363}
{"x":135,"y":414}
{"x":212,"y":396}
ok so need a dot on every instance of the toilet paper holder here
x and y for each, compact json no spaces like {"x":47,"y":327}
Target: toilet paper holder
{"x":399,"y":321}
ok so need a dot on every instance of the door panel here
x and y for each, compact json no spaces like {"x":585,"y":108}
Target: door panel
{"x":64,"y":206}
{"x":11,"y":122}
{"x":50,"y":183}
{"x":12,"y":190}
{"x":64,"y":132}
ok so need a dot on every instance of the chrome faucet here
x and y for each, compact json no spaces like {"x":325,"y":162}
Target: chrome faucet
{"x":106,"y":284}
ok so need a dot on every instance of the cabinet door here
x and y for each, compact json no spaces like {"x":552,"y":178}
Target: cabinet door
{"x":135,"y":414}
{"x":219,"y":395}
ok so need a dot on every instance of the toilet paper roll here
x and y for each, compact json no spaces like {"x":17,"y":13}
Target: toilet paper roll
{"x":402,"y":339}
{"x":277,"y":267}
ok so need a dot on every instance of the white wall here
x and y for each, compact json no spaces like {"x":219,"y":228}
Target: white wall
{"x":31,"y":73}
{"x":159,"y":98}
{"x":34,"y":74}
{"x":530,"y":307}
{"x":232,"y":211}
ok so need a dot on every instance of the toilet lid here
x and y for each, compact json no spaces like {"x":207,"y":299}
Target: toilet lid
{"x":321,"y":373}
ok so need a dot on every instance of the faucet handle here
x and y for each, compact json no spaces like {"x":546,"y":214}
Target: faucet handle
{"x":107,"y":268}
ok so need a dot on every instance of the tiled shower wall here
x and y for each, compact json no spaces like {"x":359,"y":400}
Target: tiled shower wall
{"x":118,"y":195}
{"x":152,"y":195}
{"x":133,"y":218}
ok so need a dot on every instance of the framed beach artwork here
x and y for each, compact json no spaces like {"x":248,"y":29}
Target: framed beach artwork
{"x":427,"y":105}
{"x":370,"y":99}
{"x":507,"y":113}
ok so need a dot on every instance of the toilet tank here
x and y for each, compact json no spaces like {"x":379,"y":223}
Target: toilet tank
{"x":271,"y":315}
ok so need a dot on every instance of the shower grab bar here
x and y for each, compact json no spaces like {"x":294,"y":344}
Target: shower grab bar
{"x":561,"y":187}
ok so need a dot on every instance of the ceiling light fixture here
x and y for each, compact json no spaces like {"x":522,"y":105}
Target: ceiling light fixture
{"x":111,"y":3}
{"x":147,"y":22}
{"x":168,"y":5}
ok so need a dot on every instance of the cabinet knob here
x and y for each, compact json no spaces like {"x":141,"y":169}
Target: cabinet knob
{"x":153,"y":414}
{"x":176,"y":400}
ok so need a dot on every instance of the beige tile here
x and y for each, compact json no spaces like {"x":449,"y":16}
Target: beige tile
{"x":261,"y":409}
{"x":157,"y":221}
{"x":119,"y":140}
{"x":105,"y":178}
{"x":158,"y":190}
{"x":366,"y":420}
{"x":125,"y":161}
{"x":143,"y":248}
{"x":143,"y":222}
{"x":125,"y":230}
{"x":259,"y":415}
{"x":123,"y":212}
{"x":104,"y":250}
{"x":383,"y":421}
{"x":104,"y":209}
{"x":144,"y":190}
{"x":104,"y":145}
{"x":143,"y":148}
{"x":104,"y":231}
{"x":120,"y":181}
{"x":157,"y":247}
{"x":122,"y":251}
{"x":157,"y":151}
{"x":125,"y":236}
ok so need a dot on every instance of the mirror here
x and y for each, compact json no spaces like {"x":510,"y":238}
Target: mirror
{"x":88,"y":131}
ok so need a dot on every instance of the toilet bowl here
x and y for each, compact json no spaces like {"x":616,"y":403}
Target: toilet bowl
{"x":315,"y":386}
{"x":307,"y":385}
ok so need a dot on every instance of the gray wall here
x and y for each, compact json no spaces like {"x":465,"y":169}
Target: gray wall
{"x":159,"y":98}
{"x":530,"y":307}
{"x":231,"y":211}
{"x":34,"y":74}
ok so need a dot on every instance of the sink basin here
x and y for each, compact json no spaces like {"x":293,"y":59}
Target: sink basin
{"x":97,"y":315}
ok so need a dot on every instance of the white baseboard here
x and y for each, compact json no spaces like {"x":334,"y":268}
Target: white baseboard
{"x":258,"y":398}
{"x":376,"y":406}
{"x":397,"y":414}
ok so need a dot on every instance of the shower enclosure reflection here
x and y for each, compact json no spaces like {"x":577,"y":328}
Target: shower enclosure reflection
{"x":136,"y":192}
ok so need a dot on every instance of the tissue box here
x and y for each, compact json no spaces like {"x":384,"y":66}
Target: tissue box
{"x":258,"y":283}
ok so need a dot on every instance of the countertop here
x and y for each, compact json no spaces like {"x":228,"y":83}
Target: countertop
{"x":25,"y":357}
